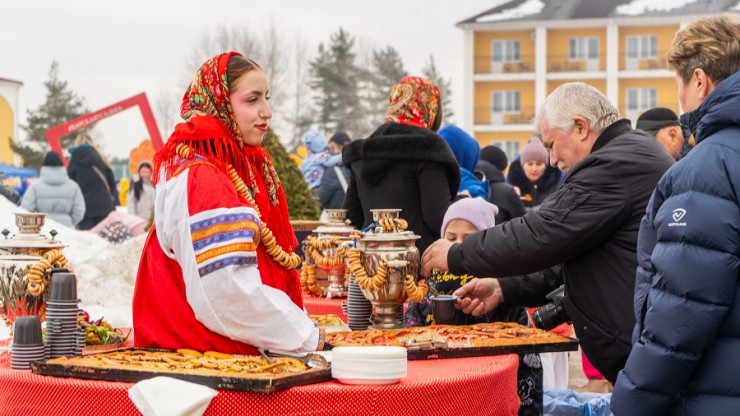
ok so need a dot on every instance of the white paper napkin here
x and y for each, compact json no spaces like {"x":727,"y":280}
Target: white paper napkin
{"x":166,"y":396}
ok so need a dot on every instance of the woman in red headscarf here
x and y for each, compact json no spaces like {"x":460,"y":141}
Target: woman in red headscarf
{"x":404,"y":164}
{"x":218,"y":269}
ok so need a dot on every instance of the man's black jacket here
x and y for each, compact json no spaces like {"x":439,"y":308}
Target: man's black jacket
{"x":589,"y":225}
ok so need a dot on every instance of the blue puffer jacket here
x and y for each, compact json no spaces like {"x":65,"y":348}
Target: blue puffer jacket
{"x":686,"y":354}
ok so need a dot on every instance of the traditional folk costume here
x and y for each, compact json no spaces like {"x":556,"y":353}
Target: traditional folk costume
{"x":209,"y":277}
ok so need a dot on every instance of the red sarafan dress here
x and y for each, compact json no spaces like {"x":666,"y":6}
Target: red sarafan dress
{"x":205,"y":280}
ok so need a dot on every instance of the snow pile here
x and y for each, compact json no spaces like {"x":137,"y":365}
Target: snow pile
{"x":529,"y":7}
{"x":106,"y":272}
{"x":638,"y":7}
{"x":736,"y":8}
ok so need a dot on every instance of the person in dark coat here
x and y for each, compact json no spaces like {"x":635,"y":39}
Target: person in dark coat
{"x":532,"y":176}
{"x":589,"y":225}
{"x":332,"y":189}
{"x":663,"y":124}
{"x":95,"y":177}
{"x":493,"y":163}
{"x":404,"y":164}
{"x":467,"y":151}
{"x":684,"y":359}
{"x":9,"y":192}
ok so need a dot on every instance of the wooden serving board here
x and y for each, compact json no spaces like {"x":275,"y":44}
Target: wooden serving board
{"x":433,"y":352}
{"x":264,"y":384}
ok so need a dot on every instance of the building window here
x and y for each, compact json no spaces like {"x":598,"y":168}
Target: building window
{"x":506,"y":102}
{"x":506,"y":51}
{"x":641,"y":99}
{"x":582,"y":49}
{"x":510,"y":147}
{"x":642,"y":47}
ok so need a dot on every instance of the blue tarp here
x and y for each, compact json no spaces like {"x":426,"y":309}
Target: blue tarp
{"x":20,"y":172}
{"x":18,"y":176}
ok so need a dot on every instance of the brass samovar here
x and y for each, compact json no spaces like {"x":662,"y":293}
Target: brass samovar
{"x":26,"y":262}
{"x":327,"y":251}
{"x":385,"y":264}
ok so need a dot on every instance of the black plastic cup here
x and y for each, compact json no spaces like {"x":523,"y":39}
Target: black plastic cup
{"x":63,"y":287}
{"x":27,"y":331}
{"x":443,"y":309}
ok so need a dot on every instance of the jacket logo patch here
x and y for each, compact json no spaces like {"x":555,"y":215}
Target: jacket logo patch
{"x":677,"y":215}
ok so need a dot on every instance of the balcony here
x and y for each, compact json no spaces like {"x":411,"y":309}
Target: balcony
{"x":632,"y":63}
{"x":485,"y":65}
{"x":486,"y":115}
{"x":563,"y":63}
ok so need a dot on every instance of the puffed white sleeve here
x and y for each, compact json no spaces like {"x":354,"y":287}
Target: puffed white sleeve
{"x":216,"y":249}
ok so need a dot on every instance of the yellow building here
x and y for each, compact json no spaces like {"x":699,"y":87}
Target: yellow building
{"x":9,"y":92}
{"x":517,"y":53}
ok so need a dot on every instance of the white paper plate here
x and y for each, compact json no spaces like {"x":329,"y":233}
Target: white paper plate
{"x":368,"y":381}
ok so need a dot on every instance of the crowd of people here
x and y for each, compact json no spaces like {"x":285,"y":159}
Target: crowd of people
{"x":84,"y":195}
{"x":646,"y":248}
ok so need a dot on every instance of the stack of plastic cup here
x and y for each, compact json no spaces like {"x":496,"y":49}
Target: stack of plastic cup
{"x":61,"y":316}
{"x":28,"y":344}
{"x":359,"y":308}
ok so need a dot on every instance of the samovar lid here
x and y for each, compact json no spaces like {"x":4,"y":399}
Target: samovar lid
{"x":29,"y":235}
{"x":336,"y":223}
{"x":371,"y":235}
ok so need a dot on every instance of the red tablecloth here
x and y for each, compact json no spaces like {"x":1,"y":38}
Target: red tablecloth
{"x":322,"y":306}
{"x":462,"y":386}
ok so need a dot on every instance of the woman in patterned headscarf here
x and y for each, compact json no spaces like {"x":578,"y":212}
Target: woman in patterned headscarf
{"x":404,"y":163}
{"x":218,"y":269}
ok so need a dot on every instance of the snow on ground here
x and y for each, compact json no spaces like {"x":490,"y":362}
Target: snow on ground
{"x":736,"y":8}
{"x":637,"y":7}
{"x":106,"y":272}
{"x":527,"y":8}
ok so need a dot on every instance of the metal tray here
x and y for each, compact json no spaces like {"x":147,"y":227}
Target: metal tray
{"x":258,"y":384}
{"x":432,"y":351}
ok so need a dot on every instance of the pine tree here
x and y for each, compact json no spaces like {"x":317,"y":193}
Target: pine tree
{"x":336,"y":77}
{"x":61,"y":105}
{"x":387,"y":71}
{"x":431,"y":73}
{"x":301,"y":204}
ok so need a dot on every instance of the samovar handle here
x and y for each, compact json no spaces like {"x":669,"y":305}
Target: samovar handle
{"x":397,"y":263}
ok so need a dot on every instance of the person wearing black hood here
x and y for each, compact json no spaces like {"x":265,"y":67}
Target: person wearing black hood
{"x":404,"y":164}
{"x":493,"y":163}
{"x":532,"y":176}
{"x":92,"y":172}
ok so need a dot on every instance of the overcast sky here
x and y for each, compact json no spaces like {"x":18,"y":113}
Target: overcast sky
{"x":111,"y":50}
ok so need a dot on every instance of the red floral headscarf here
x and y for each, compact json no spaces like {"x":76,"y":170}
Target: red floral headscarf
{"x":212,"y":131}
{"x":414,"y":101}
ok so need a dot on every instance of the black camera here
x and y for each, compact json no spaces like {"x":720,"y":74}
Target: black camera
{"x":552,"y":314}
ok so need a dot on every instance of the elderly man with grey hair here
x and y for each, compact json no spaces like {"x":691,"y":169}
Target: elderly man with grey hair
{"x":588,"y":225}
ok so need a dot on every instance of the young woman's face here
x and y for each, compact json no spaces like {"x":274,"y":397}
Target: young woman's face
{"x":457,"y":230}
{"x":534,"y":170}
{"x":249,"y":101}
{"x":145,"y":173}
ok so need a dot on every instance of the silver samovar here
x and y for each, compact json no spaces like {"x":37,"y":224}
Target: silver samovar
{"x":327,"y":251}
{"x":26,"y":260}
{"x":385,"y":264}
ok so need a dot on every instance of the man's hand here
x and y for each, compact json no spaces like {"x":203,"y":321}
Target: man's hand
{"x":479,"y":296}
{"x":435,"y":257}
